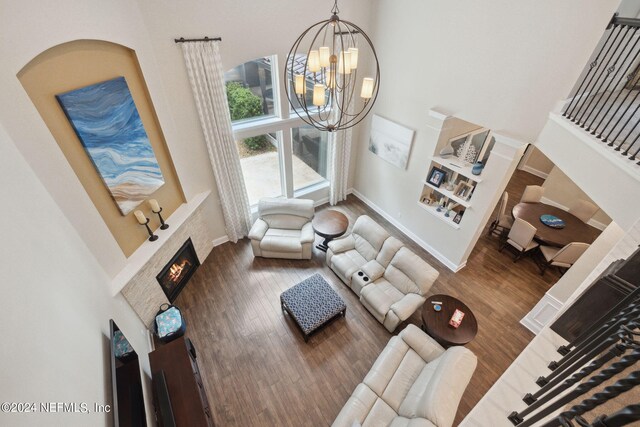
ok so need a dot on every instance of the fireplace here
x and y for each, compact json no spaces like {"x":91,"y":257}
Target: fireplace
{"x":179,"y":270}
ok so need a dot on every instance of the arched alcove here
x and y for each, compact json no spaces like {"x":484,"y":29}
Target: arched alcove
{"x":80,"y":63}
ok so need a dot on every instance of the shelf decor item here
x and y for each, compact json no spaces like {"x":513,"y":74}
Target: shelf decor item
{"x":458,"y":217}
{"x":143,"y":220}
{"x":322,"y":71}
{"x":552,"y":221}
{"x":477,"y":168}
{"x":436,"y":176}
{"x":156,"y":209}
{"x":456,"y":318}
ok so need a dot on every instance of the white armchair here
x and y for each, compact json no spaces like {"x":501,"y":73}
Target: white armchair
{"x":401,"y":290}
{"x":283,"y":229}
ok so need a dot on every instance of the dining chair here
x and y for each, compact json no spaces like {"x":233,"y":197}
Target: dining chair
{"x":532,"y":194}
{"x":521,"y":238}
{"x":503,"y":222}
{"x":561,"y":257}
{"x":583,"y":210}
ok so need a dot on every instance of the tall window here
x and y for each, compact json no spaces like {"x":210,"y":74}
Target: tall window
{"x":309,"y":156}
{"x":250,"y":90}
{"x":280,"y":155}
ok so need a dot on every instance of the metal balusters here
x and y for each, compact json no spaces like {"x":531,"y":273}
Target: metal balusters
{"x":597,"y":399}
{"x":591,"y":348}
{"x":581,"y":389}
{"x":603,"y":322}
{"x":625,"y":416}
{"x":597,"y":103}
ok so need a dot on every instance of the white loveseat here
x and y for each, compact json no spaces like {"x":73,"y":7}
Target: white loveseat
{"x":391,"y":281}
{"x":283,"y":229}
{"x":413,"y":383}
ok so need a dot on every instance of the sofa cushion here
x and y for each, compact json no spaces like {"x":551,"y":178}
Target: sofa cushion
{"x":400,"y":421}
{"x":380,"y":296}
{"x":347,"y":263}
{"x":357,"y":407}
{"x":447,"y":385}
{"x":285,"y":213}
{"x":381,"y":415}
{"x":410,"y":273}
{"x":279,"y":240}
{"x":369,"y":237}
{"x":389,"y":248}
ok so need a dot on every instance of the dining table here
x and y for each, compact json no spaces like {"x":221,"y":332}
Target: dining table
{"x":574,"y":230}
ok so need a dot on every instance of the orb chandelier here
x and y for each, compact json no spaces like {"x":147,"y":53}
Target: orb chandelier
{"x":321,"y":74}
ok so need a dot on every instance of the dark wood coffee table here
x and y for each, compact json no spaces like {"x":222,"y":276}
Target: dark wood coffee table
{"x":436,"y":323}
{"x":329,"y":224}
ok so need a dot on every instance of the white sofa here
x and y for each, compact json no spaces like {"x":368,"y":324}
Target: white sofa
{"x":283,"y":229}
{"x":391,"y":281}
{"x":413,"y":383}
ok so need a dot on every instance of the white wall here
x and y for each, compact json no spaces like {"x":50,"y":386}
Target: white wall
{"x":609,"y":179}
{"x":495,"y":64}
{"x":57,"y":305}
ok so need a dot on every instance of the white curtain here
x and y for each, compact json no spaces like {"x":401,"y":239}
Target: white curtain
{"x":207,"y":83}
{"x":339,"y":155}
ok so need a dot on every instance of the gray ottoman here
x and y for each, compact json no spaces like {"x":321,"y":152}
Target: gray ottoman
{"x":312,"y":304}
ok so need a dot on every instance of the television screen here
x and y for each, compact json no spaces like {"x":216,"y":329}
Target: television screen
{"x":126,"y":382}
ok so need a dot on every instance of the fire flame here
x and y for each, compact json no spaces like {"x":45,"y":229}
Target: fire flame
{"x":175,"y":271}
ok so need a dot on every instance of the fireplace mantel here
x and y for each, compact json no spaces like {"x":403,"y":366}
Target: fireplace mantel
{"x":137,"y":281}
{"x":148,"y":249}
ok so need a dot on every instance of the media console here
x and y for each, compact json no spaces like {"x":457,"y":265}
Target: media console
{"x":179,"y":395}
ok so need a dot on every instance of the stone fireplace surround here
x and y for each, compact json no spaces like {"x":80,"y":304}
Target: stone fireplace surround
{"x":137,"y":281}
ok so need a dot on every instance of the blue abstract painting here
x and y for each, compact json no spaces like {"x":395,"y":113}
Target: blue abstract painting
{"x":108,"y":125}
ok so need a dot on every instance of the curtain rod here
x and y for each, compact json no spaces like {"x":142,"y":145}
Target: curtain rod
{"x":205,"y":39}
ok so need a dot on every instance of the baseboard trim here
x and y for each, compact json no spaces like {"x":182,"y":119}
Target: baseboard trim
{"x":220,"y":240}
{"x":542,"y":314}
{"x":592,"y":222}
{"x":424,"y":245}
{"x":533,"y":171}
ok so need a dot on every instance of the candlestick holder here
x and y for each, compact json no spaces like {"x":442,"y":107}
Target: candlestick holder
{"x":164,"y":225}
{"x":152,"y":237}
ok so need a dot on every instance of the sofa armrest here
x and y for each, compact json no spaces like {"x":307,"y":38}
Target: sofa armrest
{"x":421,"y":343}
{"x":307,"y":235}
{"x":343,"y":244}
{"x":373,"y":270}
{"x":447,"y":385}
{"x":407,"y":305}
{"x":258,"y":230}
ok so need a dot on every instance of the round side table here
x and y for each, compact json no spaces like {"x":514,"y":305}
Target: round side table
{"x":329,"y":224}
{"x":436,"y":323}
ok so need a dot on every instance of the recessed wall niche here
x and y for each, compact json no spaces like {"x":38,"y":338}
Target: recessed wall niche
{"x":78,"y":64}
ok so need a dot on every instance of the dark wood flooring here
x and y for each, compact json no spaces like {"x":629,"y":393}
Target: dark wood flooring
{"x":259,"y":371}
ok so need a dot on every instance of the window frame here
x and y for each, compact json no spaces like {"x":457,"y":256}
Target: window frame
{"x":282,"y":122}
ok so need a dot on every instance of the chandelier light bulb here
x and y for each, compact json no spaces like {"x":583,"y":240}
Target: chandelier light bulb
{"x":313,"y":63}
{"x":354,"y":57}
{"x":325,"y":56}
{"x":344,"y":63}
{"x":318,"y":95}
{"x":367,"y":88}
{"x":300,"y":84}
